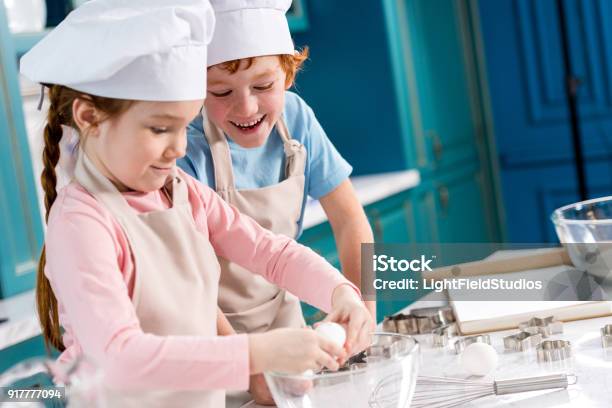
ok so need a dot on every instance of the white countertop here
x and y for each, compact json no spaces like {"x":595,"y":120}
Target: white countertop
{"x":21,"y":309}
{"x":591,"y":364}
{"x":369,"y":189}
{"x":23,"y":321}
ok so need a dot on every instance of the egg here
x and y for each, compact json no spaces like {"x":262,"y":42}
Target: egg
{"x":478,"y":359}
{"x":333,"y":332}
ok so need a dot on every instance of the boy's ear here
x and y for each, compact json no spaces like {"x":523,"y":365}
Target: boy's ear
{"x":85,"y":116}
{"x":288,"y":84}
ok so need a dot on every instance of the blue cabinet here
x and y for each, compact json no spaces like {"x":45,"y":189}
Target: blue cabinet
{"x":522,"y":44}
{"x":21,"y":224}
{"x":439,"y":73}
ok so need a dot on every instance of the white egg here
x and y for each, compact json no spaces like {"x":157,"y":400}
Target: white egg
{"x":478,"y":359}
{"x":333,"y":332}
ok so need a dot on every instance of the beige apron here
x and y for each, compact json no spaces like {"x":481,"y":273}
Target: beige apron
{"x":251,"y":303}
{"x":175,"y":280}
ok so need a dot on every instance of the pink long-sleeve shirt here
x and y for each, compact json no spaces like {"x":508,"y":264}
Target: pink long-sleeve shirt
{"x":92,"y":274}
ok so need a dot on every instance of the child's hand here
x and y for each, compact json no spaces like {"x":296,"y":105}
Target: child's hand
{"x":259,"y":390}
{"x":349,"y":310}
{"x":292,"y":351}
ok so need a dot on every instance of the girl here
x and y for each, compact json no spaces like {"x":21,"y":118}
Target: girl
{"x":130,"y":269}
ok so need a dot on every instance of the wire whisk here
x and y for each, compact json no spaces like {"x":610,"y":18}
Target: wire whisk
{"x":441,"y":392}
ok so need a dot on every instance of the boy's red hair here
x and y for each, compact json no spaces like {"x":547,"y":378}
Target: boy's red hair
{"x":291,"y":64}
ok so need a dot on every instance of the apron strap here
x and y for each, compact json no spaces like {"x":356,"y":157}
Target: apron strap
{"x":86,"y":173}
{"x":295,"y":152}
{"x":180,"y":193}
{"x":221,"y":156}
{"x":104,"y":190}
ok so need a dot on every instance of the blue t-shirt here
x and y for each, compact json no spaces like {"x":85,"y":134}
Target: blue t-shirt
{"x":265,"y":165}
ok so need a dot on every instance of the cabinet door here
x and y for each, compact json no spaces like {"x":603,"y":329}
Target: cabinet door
{"x":446,"y":85}
{"x":20,"y":228}
{"x":392,"y":219}
{"x":390,"y":225}
{"x":461,"y":214}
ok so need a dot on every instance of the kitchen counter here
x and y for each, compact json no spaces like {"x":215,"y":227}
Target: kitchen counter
{"x":369,"y":189}
{"x":22,"y":323}
{"x":591,"y":364}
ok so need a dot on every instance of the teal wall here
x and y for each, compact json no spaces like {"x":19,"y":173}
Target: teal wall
{"x":348,"y":82}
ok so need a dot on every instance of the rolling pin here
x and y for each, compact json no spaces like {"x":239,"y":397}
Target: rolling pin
{"x":554,"y":257}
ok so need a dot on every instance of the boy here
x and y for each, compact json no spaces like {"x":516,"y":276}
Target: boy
{"x":262,"y":149}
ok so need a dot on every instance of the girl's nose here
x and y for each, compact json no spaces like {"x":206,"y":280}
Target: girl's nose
{"x":178,"y":147}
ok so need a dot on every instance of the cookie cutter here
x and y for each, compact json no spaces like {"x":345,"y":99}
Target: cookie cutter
{"x":554,"y":350}
{"x":406,"y":324}
{"x":400,"y":323}
{"x":461,"y":344}
{"x":389,"y":324}
{"x":430,"y":318}
{"x":419,"y":321}
{"x":441,"y":335}
{"x":522,"y":341}
{"x":606,"y":336}
{"x":545,"y":326}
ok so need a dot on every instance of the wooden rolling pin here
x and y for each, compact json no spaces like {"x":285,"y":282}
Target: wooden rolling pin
{"x":554,"y":257}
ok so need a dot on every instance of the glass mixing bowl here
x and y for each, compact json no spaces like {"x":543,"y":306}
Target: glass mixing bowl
{"x":585,"y":229}
{"x":383,"y":376}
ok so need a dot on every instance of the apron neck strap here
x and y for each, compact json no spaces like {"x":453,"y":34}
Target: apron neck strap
{"x":104,"y":190}
{"x":221,"y":156}
{"x":295,"y":154}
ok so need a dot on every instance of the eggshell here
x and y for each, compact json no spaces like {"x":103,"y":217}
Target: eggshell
{"x":479,"y":359}
{"x":333,"y":332}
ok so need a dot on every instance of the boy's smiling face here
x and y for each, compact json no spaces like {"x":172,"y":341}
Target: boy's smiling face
{"x":246,"y":104}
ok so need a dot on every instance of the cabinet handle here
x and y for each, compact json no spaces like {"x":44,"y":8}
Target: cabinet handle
{"x":444,"y":197}
{"x":438,"y":147}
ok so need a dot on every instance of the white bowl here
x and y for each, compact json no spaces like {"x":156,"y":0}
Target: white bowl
{"x":386,"y":378}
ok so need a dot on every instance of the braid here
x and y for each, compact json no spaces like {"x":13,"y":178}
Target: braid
{"x":46,"y":302}
{"x":60,"y":113}
{"x":51,"y":152}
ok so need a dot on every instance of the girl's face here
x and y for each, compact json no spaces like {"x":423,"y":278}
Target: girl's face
{"x":138,"y":149}
{"x":246,"y":104}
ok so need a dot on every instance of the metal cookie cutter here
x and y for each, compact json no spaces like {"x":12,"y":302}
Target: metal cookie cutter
{"x":441,"y":335}
{"x":461,"y":344}
{"x":545,"y":326}
{"x":522,"y":341}
{"x":554,"y":350}
{"x":406,"y":324}
{"x":389,"y":325}
{"x":606,"y":336}
{"x":430,"y":318}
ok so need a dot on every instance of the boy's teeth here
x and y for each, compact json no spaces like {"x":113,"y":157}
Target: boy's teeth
{"x":248,"y":124}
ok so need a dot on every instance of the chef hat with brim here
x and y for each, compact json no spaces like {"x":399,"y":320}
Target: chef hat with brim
{"x":149,"y":50}
{"x":249,"y":28}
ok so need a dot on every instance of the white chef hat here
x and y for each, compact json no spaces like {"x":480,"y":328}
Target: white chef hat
{"x":152,"y":50}
{"x":249,"y":28}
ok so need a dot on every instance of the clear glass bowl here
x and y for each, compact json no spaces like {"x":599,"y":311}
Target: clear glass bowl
{"x":585,"y":229}
{"x":383,"y":376}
